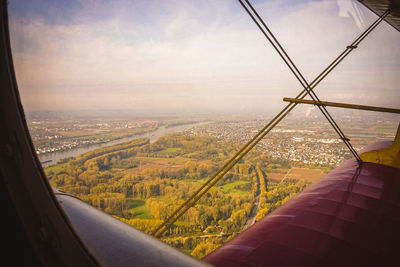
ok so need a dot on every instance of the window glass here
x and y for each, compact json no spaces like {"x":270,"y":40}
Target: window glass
{"x":133,"y":105}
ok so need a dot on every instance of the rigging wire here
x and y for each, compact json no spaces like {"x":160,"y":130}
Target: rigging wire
{"x":191,"y":201}
{"x":299,"y":76}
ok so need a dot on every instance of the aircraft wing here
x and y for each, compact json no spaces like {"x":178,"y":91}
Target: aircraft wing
{"x":350,"y":217}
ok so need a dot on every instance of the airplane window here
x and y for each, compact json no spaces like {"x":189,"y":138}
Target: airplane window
{"x":133,"y":105}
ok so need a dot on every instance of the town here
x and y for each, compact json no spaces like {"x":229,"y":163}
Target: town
{"x":299,"y":142}
{"x":302,"y":141}
{"x":61,"y":135}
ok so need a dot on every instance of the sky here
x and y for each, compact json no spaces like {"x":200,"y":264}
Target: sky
{"x":195,"y":56}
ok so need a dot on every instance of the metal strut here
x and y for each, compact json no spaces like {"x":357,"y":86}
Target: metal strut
{"x":299,"y":76}
{"x":343,"y":105}
{"x":259,"y":136}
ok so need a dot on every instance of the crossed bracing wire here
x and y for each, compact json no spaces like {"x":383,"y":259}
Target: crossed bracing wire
{"x":308,"y":90}
{"x":297,"y":73}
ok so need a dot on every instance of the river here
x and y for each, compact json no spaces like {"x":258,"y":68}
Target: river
{"x":53,"y":157}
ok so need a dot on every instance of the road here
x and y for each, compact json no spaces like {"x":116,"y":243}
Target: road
{"x":253,"y":213}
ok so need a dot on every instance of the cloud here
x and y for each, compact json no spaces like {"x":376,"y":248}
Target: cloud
{"x":194,"y":55}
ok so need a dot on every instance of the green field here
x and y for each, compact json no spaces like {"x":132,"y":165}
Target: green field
{"x":231,"y":187}
{"x":139,"y":207}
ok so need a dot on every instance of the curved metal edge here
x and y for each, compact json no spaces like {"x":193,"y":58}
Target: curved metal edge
{"x":115,"y":243}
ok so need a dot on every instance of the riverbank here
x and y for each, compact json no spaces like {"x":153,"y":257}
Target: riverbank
{"x":52,"y":158}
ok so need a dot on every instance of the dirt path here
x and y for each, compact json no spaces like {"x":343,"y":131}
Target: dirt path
{"x":253,"y":213}
{"x":286,"y":175}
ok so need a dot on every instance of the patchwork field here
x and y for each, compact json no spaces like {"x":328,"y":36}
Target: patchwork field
{"x":296,"y":173}
{"x":310,"y":175}
{"x":142,"y":183}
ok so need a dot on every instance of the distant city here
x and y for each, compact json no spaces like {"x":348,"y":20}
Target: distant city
{"x":54,"y":136}
{"x":298,"y":139}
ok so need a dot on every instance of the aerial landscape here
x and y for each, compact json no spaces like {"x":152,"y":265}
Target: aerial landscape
{"x":143,"y":179}
{"x":133,"y":105}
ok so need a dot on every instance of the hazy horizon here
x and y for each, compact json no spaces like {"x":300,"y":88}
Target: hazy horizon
{"x":193,"y":57}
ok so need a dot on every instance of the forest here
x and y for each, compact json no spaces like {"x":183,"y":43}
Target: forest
{"x":141,"y":184}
